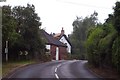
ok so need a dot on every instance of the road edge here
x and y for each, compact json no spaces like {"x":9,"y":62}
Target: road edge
{"x":13,"y":70}
{"x":87,"y":67}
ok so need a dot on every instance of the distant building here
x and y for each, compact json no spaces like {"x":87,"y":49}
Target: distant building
{"x":55,"y":48}
{"x":64,"y":39}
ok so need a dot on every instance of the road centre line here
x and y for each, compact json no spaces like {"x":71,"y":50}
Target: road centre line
{"x":55,"y":70}
{"x":56,"y":76}
{"x":58,"y":65}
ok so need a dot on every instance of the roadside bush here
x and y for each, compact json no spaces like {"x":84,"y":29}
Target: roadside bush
{"x":116,"y":53}
{"x":92,"y":45}
{"x":105,"y":50}
{"x":45,"y":57}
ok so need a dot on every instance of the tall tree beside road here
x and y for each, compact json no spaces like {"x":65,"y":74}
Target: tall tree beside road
{"x":103,"y":48}
{"x":117,"y":16}
{"x":28,"y":26}
{"x":21,"y":27}
{"x":116,"y":45}
{"x":9,"y":26}
{"x":78,"y":37}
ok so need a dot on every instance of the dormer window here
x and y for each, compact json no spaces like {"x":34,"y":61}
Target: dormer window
{"x":66,"y":44}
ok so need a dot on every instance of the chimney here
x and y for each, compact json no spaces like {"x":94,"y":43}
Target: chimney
{"x":62,"y":31}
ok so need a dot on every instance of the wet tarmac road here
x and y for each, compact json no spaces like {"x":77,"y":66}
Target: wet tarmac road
{"x":64,"y":69}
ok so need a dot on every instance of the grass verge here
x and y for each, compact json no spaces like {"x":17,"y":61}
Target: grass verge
{"x":104,"y":72}
{"x":9,"y":66}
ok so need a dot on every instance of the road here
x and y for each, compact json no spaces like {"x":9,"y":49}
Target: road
{"x":67,"y":69}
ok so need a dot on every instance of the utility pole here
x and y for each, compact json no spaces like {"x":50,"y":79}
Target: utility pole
{"x":6,"y":51}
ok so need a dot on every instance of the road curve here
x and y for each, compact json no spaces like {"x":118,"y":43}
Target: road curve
{"x":55,"y":69}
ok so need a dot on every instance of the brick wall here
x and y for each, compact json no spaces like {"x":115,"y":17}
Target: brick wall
{"x":62,"y":52}
{"x":53,"y":51}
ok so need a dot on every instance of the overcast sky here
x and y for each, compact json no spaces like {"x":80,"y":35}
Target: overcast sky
{"x":56,"y":14}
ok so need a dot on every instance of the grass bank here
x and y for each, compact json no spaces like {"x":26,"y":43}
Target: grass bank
{"x":7,"y":67}
{"x":104,"y":72}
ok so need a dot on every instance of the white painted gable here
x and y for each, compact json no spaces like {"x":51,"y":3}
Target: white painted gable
{"x":63,"y":40}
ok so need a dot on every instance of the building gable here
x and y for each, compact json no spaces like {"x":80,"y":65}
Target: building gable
{"x":64,"y":40}
{"x":54,"y":47}
{"x":51,"y":40}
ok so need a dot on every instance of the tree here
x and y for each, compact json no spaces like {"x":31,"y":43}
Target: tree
{"x":103,"y":48}
{"x":8,"y":28}
{"x":28,"y":24}
{"x":21,"y":30}
{"x":117,"y":16}
{"x":79,"y":35}
{"x":116,"y":45}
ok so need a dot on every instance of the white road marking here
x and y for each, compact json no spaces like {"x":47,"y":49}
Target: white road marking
{"x":58,"y":65}
{"x":84,"y":62}
{"x":56,"y":76}
{"x":55,"y":70}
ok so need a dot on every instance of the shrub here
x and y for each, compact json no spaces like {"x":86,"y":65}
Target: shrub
{"x":116,"y":53}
